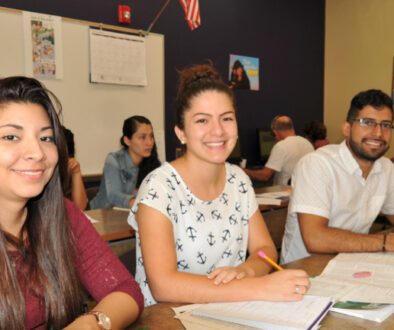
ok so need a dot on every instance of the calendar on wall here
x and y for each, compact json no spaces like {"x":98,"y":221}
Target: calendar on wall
{"x":117,"y":58}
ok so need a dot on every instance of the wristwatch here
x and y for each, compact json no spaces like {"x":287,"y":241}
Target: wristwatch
{"x":103,"y":321}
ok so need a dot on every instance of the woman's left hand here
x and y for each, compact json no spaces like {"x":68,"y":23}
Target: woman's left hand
{"x":226,"y":274}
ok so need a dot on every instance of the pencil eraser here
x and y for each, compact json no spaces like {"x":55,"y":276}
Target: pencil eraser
{"x":361,"y":274}
{"x":261,"y":254}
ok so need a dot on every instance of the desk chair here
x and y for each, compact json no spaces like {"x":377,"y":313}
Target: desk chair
{"x":91,"y":192}
{"x":125,"y":250}
{"x":276,"y":221}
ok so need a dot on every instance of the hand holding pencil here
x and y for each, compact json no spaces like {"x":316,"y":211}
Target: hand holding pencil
{"x":301,"y":282}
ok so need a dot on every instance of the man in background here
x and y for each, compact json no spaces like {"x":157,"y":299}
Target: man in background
{"x":284,"y":155}
{"x":340,"y":189}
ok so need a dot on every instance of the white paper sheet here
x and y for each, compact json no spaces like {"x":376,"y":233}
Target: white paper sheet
{"x":338,"y":280}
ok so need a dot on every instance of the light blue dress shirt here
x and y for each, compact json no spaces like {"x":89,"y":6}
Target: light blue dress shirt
{"x":118,"y":181}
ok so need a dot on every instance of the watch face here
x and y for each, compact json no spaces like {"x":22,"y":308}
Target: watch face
{"x":104,"y":321}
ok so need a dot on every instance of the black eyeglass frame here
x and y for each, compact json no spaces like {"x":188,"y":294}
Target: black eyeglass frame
{"x":372,"y":123}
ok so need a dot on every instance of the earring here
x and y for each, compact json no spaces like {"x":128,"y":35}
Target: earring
{"x":183,"y":142}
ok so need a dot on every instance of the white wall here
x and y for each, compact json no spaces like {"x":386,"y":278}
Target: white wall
{"x":94,"y":112}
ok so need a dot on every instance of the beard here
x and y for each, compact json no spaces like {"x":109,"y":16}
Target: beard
{"x":364,"y":154}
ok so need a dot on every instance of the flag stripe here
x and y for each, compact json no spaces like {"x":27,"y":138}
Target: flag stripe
{"x":192,"y":12}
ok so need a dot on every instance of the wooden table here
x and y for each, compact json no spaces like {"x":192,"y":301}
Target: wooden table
{"x":283,"y":204}
{"x":112,"y":224}
{"x":161,"y":316}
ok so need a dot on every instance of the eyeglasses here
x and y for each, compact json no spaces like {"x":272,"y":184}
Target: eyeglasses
{"x":372,"y":124}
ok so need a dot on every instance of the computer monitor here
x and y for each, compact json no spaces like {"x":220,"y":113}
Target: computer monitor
{"x":266,"y":142}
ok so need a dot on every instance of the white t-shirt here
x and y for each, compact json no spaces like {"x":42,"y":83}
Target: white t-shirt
{"x":329,"y":183}
{"x":207,"y":235}
{"x":284,"y":157}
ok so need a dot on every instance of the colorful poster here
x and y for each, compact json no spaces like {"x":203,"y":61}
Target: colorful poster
{"x":43,"y":46}
{"x":244,"y":72}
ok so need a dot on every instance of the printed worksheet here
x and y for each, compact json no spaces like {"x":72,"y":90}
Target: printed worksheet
{"x":363,"y":277}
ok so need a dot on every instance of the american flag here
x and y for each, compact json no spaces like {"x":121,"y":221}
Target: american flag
{"x":192,"y":13}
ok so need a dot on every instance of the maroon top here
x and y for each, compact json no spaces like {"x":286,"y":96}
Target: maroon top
{"x":98,"y":269}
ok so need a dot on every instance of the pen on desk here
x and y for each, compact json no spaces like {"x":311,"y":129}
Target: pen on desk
{"x":273,"y":263}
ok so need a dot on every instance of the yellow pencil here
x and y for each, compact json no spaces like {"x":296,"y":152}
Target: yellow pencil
{"x":273,"y":263}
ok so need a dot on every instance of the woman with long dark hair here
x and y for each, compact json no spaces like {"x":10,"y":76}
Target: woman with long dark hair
{"x":47,"y":245}
{"x":125,"y":168}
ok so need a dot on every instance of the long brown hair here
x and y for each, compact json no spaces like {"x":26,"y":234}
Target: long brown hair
{"x":48,"y":254}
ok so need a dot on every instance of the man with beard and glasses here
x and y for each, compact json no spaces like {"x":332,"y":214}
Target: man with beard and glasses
{"x":339,"y":190}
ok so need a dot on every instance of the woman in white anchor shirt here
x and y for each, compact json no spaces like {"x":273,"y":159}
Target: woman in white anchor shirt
{"x":197,"y":216}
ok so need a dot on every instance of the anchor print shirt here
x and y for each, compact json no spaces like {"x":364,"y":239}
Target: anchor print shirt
{"x":207,"y":234}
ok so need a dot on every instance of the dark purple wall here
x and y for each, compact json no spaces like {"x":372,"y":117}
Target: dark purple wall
{"x":286,"y":35}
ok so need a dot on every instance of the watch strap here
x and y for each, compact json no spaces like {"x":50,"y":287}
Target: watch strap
{"x":98,"y":316}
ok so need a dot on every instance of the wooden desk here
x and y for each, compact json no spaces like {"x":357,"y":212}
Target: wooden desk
{"x":264,"y":207}
{"x":161,"y":316}
{"x":112,"y":224}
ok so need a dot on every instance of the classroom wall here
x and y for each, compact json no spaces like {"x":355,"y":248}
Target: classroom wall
{"x":359,"y":50}
{"x":286,"y":35}
{"x":85,"y":105}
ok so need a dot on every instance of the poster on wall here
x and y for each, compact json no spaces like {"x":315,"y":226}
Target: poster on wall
{"x":244,"y":72}
{"x":43,"y":45}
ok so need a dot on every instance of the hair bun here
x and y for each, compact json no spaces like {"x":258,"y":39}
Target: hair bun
{"x":192,"y":82}
{"x":205,"y":72}
{"x":198,"y":73}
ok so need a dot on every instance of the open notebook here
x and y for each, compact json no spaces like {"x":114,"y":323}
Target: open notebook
{"x":304,"y":314}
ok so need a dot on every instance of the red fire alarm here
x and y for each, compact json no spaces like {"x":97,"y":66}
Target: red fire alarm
{"x":124,"y":14}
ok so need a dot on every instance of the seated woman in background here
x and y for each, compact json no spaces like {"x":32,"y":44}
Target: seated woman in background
{"x":197,"y":216}
{"x":74,"y":189}
{"x":316,"y":132}
{"x":125,"y":169}
{"x":47,"y":245}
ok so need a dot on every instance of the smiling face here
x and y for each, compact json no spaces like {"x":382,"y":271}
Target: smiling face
{"x":28,"y":154}
{"x":210,"y":127}
{"x":368,"y":144}
{"x":141,"y":143}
